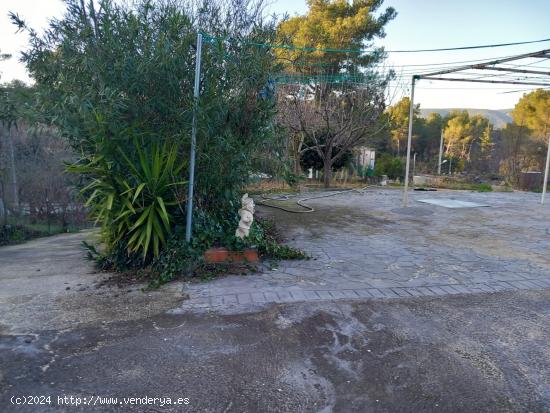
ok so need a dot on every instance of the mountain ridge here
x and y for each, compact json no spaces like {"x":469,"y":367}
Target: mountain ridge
{"x":498,"y":117}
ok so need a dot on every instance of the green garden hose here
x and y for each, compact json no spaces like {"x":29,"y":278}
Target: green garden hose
{"x":301,"y":202}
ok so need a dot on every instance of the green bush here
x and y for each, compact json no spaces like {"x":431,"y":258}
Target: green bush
{"x":117,"y":81}
{"x":391,"y":166}
{"x":180,"y":258}
{"x":13,"y":234}
{"x":484,"y":187}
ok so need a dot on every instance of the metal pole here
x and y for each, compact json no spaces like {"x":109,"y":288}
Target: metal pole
{"x":545,"y":173}
{"x":196,"y":94}
{"x":440,"y":153}
{"x":450,"y":165}
{"x":409,"y":139}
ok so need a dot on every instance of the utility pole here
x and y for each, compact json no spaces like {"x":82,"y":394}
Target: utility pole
{"x":196,"y":94}
{"x":440,"y":152}
{"x":409,"y":140}
{"x":545,"y":183}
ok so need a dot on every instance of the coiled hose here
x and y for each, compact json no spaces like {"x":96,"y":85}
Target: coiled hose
{"x":301,"y":202}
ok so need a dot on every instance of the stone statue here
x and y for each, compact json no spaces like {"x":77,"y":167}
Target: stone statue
{"x":247,"y":216}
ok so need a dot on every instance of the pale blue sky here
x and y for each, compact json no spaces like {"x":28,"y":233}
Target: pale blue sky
{"x":419,"y":24}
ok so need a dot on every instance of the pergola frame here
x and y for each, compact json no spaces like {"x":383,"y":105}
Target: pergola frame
{"x":489,"y":65}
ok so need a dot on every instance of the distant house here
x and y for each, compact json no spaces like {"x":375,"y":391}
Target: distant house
{"x":365,"y":157}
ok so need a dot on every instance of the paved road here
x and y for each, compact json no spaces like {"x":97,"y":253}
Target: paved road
{"x":467,"y":353}
{"x":366,"y":245}
{"x":48,"y":284}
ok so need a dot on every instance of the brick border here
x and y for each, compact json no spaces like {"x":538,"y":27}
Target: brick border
{"x":294,"y":294}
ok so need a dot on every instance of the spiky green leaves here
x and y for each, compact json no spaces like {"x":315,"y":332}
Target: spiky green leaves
{"x":134,"y":202}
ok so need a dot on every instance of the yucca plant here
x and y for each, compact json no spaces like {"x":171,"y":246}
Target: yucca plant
{"x":133,"y":203}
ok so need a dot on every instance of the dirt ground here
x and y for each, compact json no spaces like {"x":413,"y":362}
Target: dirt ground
{"x":62,"y":336}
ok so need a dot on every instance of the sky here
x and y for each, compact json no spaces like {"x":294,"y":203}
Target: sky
{"x":419,"y":24}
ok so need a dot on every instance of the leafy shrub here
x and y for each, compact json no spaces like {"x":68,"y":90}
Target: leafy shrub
{"x":484,"y":187}
{"x":391,"y":166}
{"x":182,"y":259}
{"x":107,"y":75}
{"x":133,"y":202}
{"x":267,"y":241}
{"x":116,"y":259}
{"x":13,"y":234}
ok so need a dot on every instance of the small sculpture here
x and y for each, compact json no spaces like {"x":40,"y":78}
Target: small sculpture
{"x":247,"y":216}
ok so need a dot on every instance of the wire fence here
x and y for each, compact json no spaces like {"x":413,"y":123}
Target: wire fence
{"x":36,"y":196}
{"x":330,"y":107}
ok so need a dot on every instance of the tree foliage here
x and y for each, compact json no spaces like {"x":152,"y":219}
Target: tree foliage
{"x":335,"y":125}
{"x":118,"y":79}
{"x":516,"y":152}
{"x":468,"y":140}
{"x":340,"y":103}
{"x":462,"y":132}
{"x":533,"y":111}
{"x":399,"y":118}
{"x":14,"y":101}
{"x":334,"y":26}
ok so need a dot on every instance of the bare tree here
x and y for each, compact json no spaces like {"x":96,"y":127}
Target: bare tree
{"x":331,"y":119}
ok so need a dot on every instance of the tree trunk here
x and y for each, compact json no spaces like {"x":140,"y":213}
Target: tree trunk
{"x":327,"y":171}
{"x":15,"y":192}
{"x":295,"y":148}
{"x":3,"y":209}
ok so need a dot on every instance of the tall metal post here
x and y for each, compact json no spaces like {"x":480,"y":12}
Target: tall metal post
{"x":409,"y":140}
{"x":196,"y":94}
{"x":545,"y":183}
{"x":440,"y":153}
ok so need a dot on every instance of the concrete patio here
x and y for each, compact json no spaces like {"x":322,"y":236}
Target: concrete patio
{"x":366,"y":245}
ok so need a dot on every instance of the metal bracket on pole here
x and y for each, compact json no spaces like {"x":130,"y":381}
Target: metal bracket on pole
{"x":409,"y":140}
{"x":196,"y":95}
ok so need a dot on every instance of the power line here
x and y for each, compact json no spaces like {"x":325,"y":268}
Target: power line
{"x":359,"y":51}
{"x":520,"y":90}
{"x":468,"y":47}
{"x":455,"y":62}
{"x":409,"y":69}
{"x":450,"y":66}
{"x":473,"y":88}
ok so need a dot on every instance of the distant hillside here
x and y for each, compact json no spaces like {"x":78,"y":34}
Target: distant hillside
{"x":499,"y":118}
